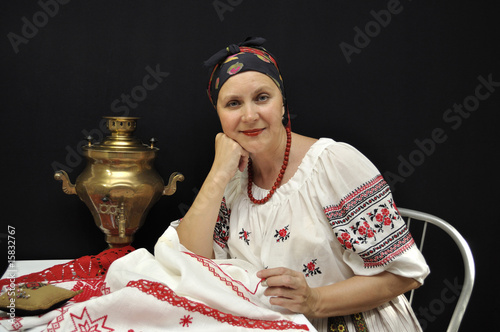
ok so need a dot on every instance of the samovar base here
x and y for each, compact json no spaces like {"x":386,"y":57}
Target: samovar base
{"x":116,"y":241}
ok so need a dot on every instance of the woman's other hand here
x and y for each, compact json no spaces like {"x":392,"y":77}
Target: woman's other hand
{"x":289,"y":289}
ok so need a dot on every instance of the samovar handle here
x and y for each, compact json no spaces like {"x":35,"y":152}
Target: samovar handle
{"x":171,"y":187}
{"x":68,"y":187}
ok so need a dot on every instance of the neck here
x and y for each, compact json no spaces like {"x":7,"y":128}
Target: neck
{"x":267,"y":165}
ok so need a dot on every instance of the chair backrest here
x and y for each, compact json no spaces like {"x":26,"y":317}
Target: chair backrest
{"x":469,"y":269}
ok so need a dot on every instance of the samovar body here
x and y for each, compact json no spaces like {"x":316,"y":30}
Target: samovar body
{"x":119,"y":183}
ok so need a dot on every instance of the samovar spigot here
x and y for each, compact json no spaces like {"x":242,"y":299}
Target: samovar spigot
{"x":122,"y":222}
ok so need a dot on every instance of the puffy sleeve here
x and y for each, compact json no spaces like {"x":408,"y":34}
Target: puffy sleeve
{"x":360,"y":209}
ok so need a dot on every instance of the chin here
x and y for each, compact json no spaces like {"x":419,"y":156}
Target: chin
{"x":254,"y":147}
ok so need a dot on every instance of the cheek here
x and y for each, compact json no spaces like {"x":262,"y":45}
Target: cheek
{"x":228,"y":122}
{"x":275,"y":113}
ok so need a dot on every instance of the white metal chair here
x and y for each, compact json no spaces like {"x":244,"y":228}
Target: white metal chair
{"x":469,"y":269}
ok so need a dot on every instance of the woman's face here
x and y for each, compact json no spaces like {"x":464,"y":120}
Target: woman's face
{"x":250,"y":109}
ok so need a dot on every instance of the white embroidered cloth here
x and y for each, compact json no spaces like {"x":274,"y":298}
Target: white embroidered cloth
{"x":174,"y":290}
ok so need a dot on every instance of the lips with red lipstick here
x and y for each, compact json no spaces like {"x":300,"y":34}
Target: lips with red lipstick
{"x":253,"y":132}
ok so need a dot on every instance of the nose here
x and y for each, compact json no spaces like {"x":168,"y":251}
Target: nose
{"x":250,"y":113}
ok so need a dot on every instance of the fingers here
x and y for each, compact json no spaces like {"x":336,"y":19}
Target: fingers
{"x":229,"y":155}
{"x":279,"y":276}
{"x":287,"y":288}
{"x":243,"y":162}
{"x":228,"y":145}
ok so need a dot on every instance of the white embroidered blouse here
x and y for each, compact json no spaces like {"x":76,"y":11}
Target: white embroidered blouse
{"x":335,"y":218}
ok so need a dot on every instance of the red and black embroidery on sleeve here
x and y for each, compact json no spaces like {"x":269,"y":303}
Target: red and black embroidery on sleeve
{"x":221,"y":231}
{"x":367,"y":222}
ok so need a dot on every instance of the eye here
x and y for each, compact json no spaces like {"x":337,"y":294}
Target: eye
{"x":232,"y":103}
{"x":263,"y":97}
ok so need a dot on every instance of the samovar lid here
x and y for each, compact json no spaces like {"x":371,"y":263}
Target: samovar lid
{"x":121,"y":139}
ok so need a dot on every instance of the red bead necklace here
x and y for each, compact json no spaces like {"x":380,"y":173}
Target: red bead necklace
{"x":280,"y":175}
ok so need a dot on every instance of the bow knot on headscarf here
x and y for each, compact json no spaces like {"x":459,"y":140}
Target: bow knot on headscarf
{"x":233,"y":49}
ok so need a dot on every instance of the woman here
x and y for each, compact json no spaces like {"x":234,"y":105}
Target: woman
{"x":314,"y":215}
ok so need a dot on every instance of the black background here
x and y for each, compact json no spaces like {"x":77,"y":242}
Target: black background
{"x":57,"y":83}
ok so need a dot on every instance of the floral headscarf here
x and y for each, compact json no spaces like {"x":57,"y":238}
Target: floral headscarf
{"x":234,"y":59}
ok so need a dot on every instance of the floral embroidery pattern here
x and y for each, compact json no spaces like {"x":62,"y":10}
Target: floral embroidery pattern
{"x":365,"y":231}
{"x":359,"y":322}
{"x":383,"y":216}
{"x":244,"y":236}
{"x":310,"y":269}
{"x":367,"y":221}
{"x":362,"y":231}
{"x":186,"y":320}
{"x":282,"y":234}
{"x":346,"y":240}
{"x":380,"y":217}
{"x":338,"y":323}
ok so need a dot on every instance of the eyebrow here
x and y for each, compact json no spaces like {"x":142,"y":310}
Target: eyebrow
{"x":259,"y":90}
{"x":262,"y":88}
{"x":229,"y":97}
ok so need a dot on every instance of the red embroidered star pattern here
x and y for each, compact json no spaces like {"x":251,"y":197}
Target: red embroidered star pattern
{"x":186,"y":320}
{"x":85,"y":324}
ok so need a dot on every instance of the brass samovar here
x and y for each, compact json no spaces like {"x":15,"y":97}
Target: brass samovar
{"x":119,"y":184}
